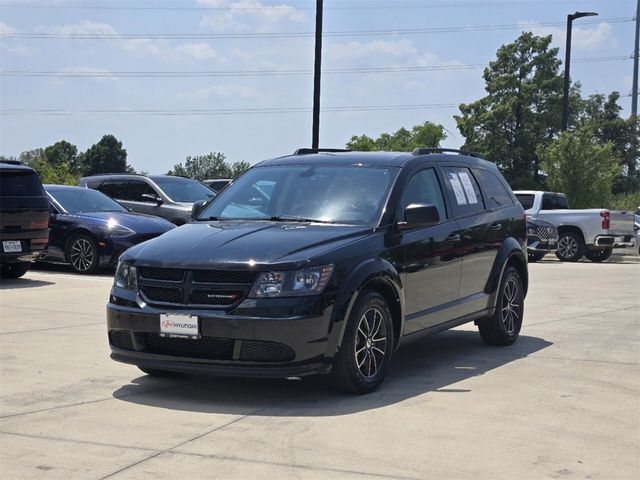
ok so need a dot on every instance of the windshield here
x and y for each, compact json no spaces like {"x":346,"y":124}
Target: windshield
{"x":526,"y":200}
{"x":344,"y":194}
{"x":183,"y":189}
{"x":76,"y":200}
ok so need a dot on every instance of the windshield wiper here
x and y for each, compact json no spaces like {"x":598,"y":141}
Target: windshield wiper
{"x":295,"y":218}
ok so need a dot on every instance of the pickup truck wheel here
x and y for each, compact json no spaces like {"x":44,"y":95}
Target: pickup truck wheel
{"x":503,"y":327}
{"x":599,"y":254}
{"x":536,"y":256}
{"x":570,"y":247}
{"x":365,"y":353}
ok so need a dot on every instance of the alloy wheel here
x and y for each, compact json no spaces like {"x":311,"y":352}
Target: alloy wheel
{"x":511,"y":308}
{"x":82,"y":256}
{"x":567,"y":247}
{"x":371,"y":343}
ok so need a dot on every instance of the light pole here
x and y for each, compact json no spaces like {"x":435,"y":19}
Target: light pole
{"x":315,"y":134}
{"x":567,"y":65}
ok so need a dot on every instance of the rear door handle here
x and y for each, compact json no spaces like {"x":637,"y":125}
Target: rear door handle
{"x":454,"y":237}
{"x":496,"y":226}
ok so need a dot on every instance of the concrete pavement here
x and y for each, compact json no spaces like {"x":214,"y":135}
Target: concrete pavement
{"x":564,"y":402}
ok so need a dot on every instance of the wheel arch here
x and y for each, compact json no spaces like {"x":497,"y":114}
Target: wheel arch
{"x":571,"y":228}
{"x":509,"y":255}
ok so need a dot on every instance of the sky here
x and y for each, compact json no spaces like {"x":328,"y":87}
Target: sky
{"x":172,"y":78}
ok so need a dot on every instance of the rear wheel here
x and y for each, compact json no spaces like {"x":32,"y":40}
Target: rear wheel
{"x":503,"y":327}
{"x":570,"y":247}
{"x":365,"y":353}
{"x":536,"y":256}
{"x":14,"y":270}
{"x":82,"y":254}
{"x":599,"y":254}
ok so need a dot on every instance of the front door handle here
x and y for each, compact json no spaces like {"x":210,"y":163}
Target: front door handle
{"x":496,"y":226}
{"x":454,"y":237}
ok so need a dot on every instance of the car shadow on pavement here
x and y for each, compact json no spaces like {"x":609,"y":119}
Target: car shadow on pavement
{"x":66,"y":268}
{"x":11,"y":284}
{"x":432,"y":364}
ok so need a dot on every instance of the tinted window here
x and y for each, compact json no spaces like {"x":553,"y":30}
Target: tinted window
{"x":496,"y":193}
{"x":464,"y":191}
{"x":183,"y":189}
{"x":424,"y":188}
{"x":562,"y":202}
{"x":218,"y":185}
{"x":113,"y":188}
{"x":548,"y":202}
{"x":75,"y":200}
{"x":20,"y":184}
{"x":136,"y":188}
{"x":351,"y":195}
{"x":526,"y":200}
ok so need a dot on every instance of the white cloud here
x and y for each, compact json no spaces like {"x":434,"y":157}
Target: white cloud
{"x":245,"y":15}
{"x":377,"y":48}
{"x":159,"y":48}
{"x":6,"y":29}
{"x":581,"y":38}
{"x":220,"y":91}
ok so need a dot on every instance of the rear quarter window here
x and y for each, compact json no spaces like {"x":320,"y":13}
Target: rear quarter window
{"x":20,"y":184}
{"x":526,"y":200}
{"x":497,"y":194}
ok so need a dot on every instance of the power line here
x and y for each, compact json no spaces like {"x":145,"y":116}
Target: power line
{"x":210,"y":112}
{"x":277,"y":35}
{"x":259,"y":73}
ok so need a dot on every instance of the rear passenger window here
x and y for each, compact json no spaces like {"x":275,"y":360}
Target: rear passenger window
{"x":496,"y":193}
{"x":113,"y":189}
{"x":464,"y":191}
{"x":137,"y":188}
{"x":424,"y":188}
{"x":547,"y":202}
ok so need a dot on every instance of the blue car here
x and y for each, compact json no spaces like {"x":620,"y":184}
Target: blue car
{"x":90,"y":230}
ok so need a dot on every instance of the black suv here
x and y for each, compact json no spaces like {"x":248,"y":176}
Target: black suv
{"x":24,"y":219}
{"x":325,"y":262}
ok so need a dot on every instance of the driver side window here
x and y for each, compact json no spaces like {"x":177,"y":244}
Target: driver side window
{"x":424,"y":188}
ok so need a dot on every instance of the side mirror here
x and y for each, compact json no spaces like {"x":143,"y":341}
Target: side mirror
{"x":197,"y":207}
{"x":152,"y":198}
{"x":420,"y":215}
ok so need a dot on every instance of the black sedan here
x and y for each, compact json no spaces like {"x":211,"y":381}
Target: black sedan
{"x":90,"y":230}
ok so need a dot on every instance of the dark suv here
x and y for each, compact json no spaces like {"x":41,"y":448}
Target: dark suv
{"x":165,"y":196}
{"x":24,"y":219}
{"x":325,"y":262}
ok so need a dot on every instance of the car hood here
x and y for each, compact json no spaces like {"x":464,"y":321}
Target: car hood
{"x":137,"y":222}
{"x":257,"y":244}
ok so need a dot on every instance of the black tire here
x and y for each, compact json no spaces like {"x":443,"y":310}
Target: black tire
{"x":154,"y":372}
{"x":536,"y":256}
{"x":570,"y":247}
{"x":82,"y":254}
{"x":367,"y":346}
{"x":503,"y":327}
{"x":598,"y":255}
{"x":14,"y":270}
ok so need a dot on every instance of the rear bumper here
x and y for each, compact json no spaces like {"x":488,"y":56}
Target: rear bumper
{"x":229,"y":345}
{"x":604,"y":241}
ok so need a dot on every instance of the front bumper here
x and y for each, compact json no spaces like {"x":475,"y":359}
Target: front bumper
{"x":538,"y":245}
{"x":229,"y":345}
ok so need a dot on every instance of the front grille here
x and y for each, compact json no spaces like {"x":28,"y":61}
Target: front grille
{"x":163,"y":294}
{"x":546,"y":233}
{"x":166,"y":274}
{"x":199,"y":288}
{"x":257,"y":351}
{"x":121,"y":339}
{"x":205,"y":347}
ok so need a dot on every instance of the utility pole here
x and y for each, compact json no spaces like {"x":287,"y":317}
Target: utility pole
{"x":634,"y":91}
{"x":315,"y":136}
{"x":567,"y":65}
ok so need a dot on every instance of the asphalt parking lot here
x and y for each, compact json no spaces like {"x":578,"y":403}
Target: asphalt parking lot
{"x":564,"y":402}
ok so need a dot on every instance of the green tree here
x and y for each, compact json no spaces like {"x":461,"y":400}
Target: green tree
{"x":57,"y":173}
{"x":427,"y":134}
{"x":106,"y":156}
{"x":582,"y":168}
{"x":522,"y":109}
{"x":212,"y":165}
{"x":62,"y":152}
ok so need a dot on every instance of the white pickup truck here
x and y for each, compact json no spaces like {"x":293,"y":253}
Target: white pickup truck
{"x":592,"y":232}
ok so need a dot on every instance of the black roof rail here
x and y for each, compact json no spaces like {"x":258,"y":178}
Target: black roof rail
{"x":13,"y":162}
{"x":109,"y":173}
{"x":308,"y":151}
{"x":428,"y":151}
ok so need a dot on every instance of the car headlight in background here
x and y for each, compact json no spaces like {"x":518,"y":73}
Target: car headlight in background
{"x":292,"y":283}
{"x":126,"y":277}
{"x":117,"y":230}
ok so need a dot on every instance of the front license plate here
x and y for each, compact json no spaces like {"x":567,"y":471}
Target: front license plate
{"x":11,"y":246}
{"x":182,"y":326}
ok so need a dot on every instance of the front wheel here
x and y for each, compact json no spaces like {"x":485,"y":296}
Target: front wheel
{"x":599,"y":254}
{"x":503,"y":327}
{"x":14,"y":270}
{"x":570,"y":247}
{"x":82,"y":254}
{"x":365,"y":353}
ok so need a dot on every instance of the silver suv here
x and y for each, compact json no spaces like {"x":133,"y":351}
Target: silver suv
{"x":161,"y":195}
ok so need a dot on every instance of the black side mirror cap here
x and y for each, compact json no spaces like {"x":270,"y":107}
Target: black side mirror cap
{"x":420,"y":215}
{"x":197,"y":207}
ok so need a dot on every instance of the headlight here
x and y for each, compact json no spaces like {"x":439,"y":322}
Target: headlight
{"x":532,"y":230}
{"x":117,"y":230}
{"x":292,"y":283}
{"x":126,"y":277}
